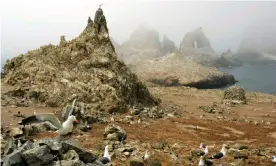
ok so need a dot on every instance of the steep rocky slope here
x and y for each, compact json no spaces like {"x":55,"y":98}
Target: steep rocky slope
{"x":85,"y":68}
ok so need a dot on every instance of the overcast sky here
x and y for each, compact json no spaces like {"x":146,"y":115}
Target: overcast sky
{"x":28,"y":24}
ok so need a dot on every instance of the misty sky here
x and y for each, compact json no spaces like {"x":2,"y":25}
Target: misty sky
{"x":28,"y":24}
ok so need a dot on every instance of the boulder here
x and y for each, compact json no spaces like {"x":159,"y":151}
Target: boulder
{"x":136,"y":162}
{"x":235,"y":93}
{"x":114,"y":133}
{"x":15,"y":132}
{"x":15,"y":158}
{"x":84,"y":155}
{"x":155,"y":162}
{"x":38,"y":156}
{"x":67,"y":163}
{"x":241,"y":155}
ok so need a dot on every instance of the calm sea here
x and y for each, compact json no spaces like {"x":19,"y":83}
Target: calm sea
{"x":257,"y":77}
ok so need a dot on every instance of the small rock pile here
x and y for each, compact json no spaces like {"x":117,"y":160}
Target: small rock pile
{"x":54,"y":152}
{"x":235,"y":94}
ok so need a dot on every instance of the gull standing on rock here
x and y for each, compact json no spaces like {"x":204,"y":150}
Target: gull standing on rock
{"x":146,"y":156}
{"x":221,"y":154}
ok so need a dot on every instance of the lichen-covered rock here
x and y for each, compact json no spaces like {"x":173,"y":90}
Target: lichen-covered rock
{"x":86,"y":68}
{"x":235,"y":93}
{"x":155,"y":162}
{"x":115,"y":133}
{"x":38,"y":156}
{"x":136,"y":162}
{"x":15,"y":158}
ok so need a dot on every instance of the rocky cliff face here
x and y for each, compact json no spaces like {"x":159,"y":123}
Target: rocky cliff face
{"x":85,"y":68}
{"x":258,"y":44}
{"x":168,"y":46}
{"x":196,"y":45}
{"x":227,"y":59}
{"x":143,"y":44}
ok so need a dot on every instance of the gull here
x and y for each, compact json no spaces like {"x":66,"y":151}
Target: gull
{"x":100,"y":5}
{"x":62,"y":128}
{"x":106,"y":157}
{"x":273,"y":159}
{"x":202,"y":146}
{"x":221,"y":154}
{"x":204,"y":162}
{"x":206,"y":151}
{"x":146,"y":156}
{"x":19,"y":144}
{"x":112,"y":119}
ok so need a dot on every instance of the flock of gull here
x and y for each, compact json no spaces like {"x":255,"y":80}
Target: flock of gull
{"x":66,"y":128}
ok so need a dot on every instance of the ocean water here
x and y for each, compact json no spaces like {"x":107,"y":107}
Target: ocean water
{"x":256,"y":78}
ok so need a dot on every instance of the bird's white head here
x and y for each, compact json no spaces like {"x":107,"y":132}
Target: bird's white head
{"x":72,"y":119}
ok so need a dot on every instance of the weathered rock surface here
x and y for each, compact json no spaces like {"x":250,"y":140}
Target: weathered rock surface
{"x":38,"y":156}
{"x":143,"y":44}
{"x":177,"y":70}
{"x":86,"y":68}
{"x":136,"y":162}
{"x":197,"y":46}
{"x":235,"y":93}
{"x":227,"y":59}
{"x":115,"y":133}
{"x":167,"y":46}
{"x":55,"y":152}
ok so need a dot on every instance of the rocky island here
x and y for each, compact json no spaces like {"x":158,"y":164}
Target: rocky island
{"x":122,"y":115}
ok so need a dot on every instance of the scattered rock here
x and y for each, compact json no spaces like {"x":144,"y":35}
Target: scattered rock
{"x":38,"y":156}
{"x":15,"y":132}
{"x":84,"y":155}
{"x":136,"y":162}
{"x":155,"y":162}
{"x":115,"y":133}
{"x":239,"y":162}
{"x":241,"y":155}
{"x":15,"y":158}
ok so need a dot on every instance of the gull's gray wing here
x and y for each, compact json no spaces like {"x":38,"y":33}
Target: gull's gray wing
{"x":42,"y":118}
{"x":68,"y":111}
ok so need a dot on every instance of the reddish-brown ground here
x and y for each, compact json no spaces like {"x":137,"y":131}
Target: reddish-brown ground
{"x":182,"y":130}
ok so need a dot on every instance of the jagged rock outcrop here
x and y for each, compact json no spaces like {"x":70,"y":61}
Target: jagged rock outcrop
{"x":143,"y":45}
{"x":85,"y":68}
{"x":258,"y":44}
{"x":167,"y":46}
{"x":177,"y":70}
{"x":196,"y":45}
{"x":227,"y":59}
